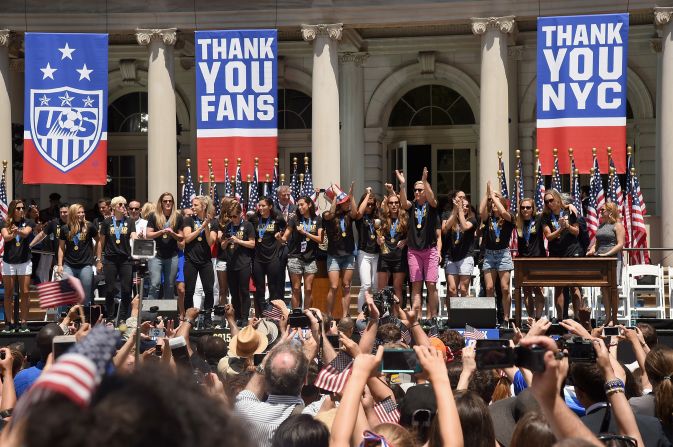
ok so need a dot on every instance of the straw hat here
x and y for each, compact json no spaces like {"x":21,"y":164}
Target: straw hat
{"x":269,"y":329}
{"x":230,"y":366}
{"x":247,"y":343}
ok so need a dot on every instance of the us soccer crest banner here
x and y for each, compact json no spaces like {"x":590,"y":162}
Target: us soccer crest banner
{"x":65,"y":131}
{"x":581,"y":90}
{"x":236,"y":87}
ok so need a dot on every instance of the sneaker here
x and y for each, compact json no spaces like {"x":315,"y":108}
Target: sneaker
{"x":8,"y":329}
{"x":23,"y":329}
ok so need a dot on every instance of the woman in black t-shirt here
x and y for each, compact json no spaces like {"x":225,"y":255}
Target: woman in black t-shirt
{"x":497,"y":230}
{"x":394,"y":225}
{"x":266,"y":266}
{"x":304,"y":232}
{"x":237,"y":247}
{"x":199,"y":234}
{"x":113,"y":256}
{"x":75,"y":249}
{"x":368,"y":249}
{"x":458,"y":228}
{"x":338,"y":225}
{"x":559,"y":223}
{"x":165,"y":227}
{"x":17,"y":265}
{"x":223,"y":221}
{"x":530,"y":244}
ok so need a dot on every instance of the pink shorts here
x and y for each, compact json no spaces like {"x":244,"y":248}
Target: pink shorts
{"x":423,"y":265}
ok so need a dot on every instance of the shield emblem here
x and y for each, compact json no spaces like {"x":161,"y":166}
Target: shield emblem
{"x":66,"y":124}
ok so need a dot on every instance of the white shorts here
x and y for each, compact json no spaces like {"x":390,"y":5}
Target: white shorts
{"x":25,"y":268}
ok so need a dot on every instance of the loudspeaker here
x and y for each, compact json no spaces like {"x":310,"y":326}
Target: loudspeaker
{"x":167,"y":308}
{"x":478,"y":312}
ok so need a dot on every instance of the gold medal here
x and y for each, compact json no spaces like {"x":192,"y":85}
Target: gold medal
{"x":392,"y":240}
{"x":457,"y":241}
{"x":418,"y":226}
{"x":497,"y":239}
{"x":118,"y":241}
{"x":343,"y":234}
{"x":308,"y":239}
{"x":199,"y":238}
{"x":75,"y":248}
{"x":18,"y":244}
{"x":259,"y":239}
{"x":165,"y":236}
{"x":372,"y":237}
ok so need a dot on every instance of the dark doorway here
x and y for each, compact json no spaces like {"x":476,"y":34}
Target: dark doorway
{"x":418,"y":157}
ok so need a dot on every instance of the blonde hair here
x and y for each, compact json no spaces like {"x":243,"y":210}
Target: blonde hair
{"x":519,"y":219}
{"x":207,"y":204}
{"x":613,"y":212}
{"x":402,"y":216}
{"x":117,"y":200}
{"x":159,"y":217}
{"x":74,"y":226}
{"x":557,"y":197}
{"x":147,"y":209}
{"x":395,"y":435}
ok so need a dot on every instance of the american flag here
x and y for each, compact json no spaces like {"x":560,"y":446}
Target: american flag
{"x":238,"y":188}
{"x":592,"y":210}
{"x":556,"y":177}
{"x":201,"y":192}
{"x":334,"y":375}
{"x":188,"y":191}
{"x":636,"y":188}
{"x":472,"y":333}
{"x":627,"y":205}
{"x":615,"y":188}
{"x":227,"y":183}
{"x":4,"y":204}
{"x":539,"y":188}
{"x":433,"y":331}
{"x":253,"y":191}
{"x":216,"y":198}
{"x":503,"y":180}
{"x":638,"y":227}
{"x":309,"y":189}
{"x":294,"y":186}
{"x":517,"y":189}
{"x":60,"y":293}
{"x":272,"y":312}
{"x":274,"y":186}
{"x":599,"y":193}
{"x":387,"y":411}
{"x":577,"y":201}
{"x":77,"y":373}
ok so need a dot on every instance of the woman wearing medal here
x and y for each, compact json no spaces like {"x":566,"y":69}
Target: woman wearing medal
{"x":75,"y":249}
{"x":266,"y":266}
{"x":530,"y":244}
{"x":223,"y":221}
{"x":497,"y":229}
{"x":199,"y":234}
{"x":113,"y":256}
{"x":164,"y":225}
{"x":368,"y":248}
{"x":338,"y":225}
{"x":559,"y":223}
{"x":17,"y":265}
{"x":458,"y":227}
{"x":394,"y":226}
{"x":237,"y":247}
{"x":304,"y":233}
{"x":424,"y":242}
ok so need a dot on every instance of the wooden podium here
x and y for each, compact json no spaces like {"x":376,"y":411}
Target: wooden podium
{"x":563,"y":272}
{"x":320,"y":289}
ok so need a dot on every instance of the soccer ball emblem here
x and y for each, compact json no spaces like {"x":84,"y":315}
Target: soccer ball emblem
{"x":70,"y":121}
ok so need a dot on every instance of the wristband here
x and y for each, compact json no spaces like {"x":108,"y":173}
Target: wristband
{"x":414,"y":325}
{"x":613,"y":384}
{"x":614,"y":391}
{"x":190,"y":321}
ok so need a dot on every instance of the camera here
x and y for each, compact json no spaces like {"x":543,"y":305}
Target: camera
{"x":580,"y":350}
{"x":297,"y":318}
{"x":496,"y":354}
{"x":218,"y":311}
{"x":384,"y":300}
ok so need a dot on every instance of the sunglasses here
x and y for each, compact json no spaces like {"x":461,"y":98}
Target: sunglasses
{"x":549,"y":201}
{"x":134,"y":209}
{"x":526,"y":207}
{"x":418,"y":190}
{"x":234,"y":216}
{"x":167,"y":201}
{"x":393,"y":203}
{"x":20,"y":208}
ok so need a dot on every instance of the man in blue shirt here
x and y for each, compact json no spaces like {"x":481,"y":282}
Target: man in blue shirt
{"x":25,"y":378}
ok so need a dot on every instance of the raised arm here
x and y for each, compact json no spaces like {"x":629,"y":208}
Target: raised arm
{"x":404,"y":202}
{"x":363,"y":206}
{"x":483,"y":205}
{"x":429,"y":195}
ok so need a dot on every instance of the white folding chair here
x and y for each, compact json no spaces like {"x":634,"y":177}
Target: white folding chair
{"x":442,"y":288}
{"x":475,"y":286}
{"x":636,"y":273}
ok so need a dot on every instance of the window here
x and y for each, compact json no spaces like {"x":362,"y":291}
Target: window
{"x":294,"y":109}
{"x":431,"y":105}
{"x":453,"y":171}
{"x":121,"y":170}
{"x":128,"y":113}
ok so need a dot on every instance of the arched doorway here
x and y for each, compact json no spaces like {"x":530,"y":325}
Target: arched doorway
{"x":294,"y":129}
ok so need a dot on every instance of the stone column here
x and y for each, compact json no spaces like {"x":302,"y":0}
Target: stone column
{"x":325,"y":139}
{"x":162,"y":156}
{"x":655,"y":45}
{"x":663,"y":18}
{"x":5,"y":111}
{"x":352,"y":118}
{"x":515,"y":54}
{"x":493,"y":104}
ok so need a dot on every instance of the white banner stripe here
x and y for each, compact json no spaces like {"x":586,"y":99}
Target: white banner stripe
{"x":28,"y":136}
{"x":580,"y":122}
{"x":213,"y":133}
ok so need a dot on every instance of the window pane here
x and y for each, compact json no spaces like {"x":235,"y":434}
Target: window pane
{"x":461,"y":113}
{"x":445,"y":160}
{"x":401,"y":115}
{"x":294,"y":109}
{"x":454,"y":108}
{"x":444,"y":182}
{"x":463,"y":181}
{"x":440,"y":117}
{"x":127,"y":166}
{"x":422,"y":118}
{"x":418,"y":97}
{"x":462,"y":157}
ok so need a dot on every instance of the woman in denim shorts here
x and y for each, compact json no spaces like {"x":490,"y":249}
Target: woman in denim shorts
{"x":304,"y":233}
{"x":458,"y":228}
{"x":338,"y":225}
{"x":496,"y":228}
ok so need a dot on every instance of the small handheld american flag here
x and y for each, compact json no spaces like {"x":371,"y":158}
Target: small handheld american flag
{"x":60,"y":293}
{"x":334,"y":375}
{"x":387,"y":411}
{"x":472,"y":333}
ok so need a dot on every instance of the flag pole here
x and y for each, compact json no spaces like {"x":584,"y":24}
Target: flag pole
{"x":282,"y":178}
{"x":572,"y":173}
{"x":301,"y":182}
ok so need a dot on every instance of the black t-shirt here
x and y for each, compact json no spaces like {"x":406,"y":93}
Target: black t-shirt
{"x":79,"y":253}
{"x":367,"y":234}
{"x":534,"y":246}
{"x":167,"y":247}
{"x":567,"y":245}
{"x":497,"y":233}
{"x":338,"y":244}
{"x":237,"y":256}
{"x":117,"y":247}
{"x":267,"y":247}
{"x":428,"y":218}
{"x":17,"y":251}
{"x":300,"y":246}
{"x":457,"y":245}
{"x":198,"y":250}
{"x":392,"y":237}
{"x":52,"y":232}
